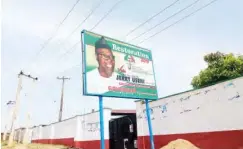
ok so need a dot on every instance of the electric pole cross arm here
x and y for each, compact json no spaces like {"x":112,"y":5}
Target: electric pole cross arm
{"x":28,"y":76}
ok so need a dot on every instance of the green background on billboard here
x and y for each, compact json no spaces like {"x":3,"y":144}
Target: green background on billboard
{"x":90,"y":39}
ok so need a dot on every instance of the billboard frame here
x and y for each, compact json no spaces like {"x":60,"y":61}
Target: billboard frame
{"x":84,"y":78}
{"x":102,"y":139}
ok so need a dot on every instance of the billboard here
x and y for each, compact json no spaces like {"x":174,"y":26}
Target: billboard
{"x":112,"y":68}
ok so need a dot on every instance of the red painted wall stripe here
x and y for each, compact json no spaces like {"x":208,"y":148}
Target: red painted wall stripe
{"x":64,"y":141}
{"x":92,"y":144}
{"x":204,"y":140}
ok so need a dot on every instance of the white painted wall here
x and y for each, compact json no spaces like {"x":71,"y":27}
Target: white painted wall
{"x":215,"y":108}
{"x":36,"y":133}
{"x":81,"y":128}
{"x":64,"y":129}
{"x":89,"y":126}
{"x":27,"y":135}
{"x":19,"y":135}
{"x":46,"y":132}
{"x":107,"y":118}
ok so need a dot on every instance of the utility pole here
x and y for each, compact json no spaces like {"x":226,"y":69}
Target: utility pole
{"x":10,"y":140}
{"x":27,"y":133}
{"x":16,"y":107}
{"x":10,"y":109}
{"x":61,"y":103}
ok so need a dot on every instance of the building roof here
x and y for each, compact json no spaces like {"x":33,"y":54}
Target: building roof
{"x":116,"y":112}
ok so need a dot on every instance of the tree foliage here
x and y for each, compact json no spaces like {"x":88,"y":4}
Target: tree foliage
{"x":221,"y":67}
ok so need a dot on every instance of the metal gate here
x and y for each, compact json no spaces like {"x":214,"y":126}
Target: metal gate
{"x":123,"y":132}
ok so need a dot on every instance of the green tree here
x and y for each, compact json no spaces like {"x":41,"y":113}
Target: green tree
{"x":221,"y":67}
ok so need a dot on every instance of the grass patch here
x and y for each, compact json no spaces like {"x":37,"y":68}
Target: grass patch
{"x":5,"y":143}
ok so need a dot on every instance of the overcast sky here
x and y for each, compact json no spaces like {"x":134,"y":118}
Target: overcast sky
{"x":177,"y":52}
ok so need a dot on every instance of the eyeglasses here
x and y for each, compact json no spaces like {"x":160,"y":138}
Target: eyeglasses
{"x":106,"y":57}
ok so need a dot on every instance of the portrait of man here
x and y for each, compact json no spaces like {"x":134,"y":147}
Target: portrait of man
{"x":104,"y":75}
{"x":105,"y":58}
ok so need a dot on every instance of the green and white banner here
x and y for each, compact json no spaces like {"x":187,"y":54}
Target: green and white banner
{"x":112,"y":68}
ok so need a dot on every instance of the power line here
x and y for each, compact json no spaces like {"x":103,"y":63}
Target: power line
{"x":47,"y":42}
{"x":73,"y":47}
{"x":178,"y":21}
{"x":108,"y":12}
{"x":102,"y":19}
{"x":69,"y":50}
{"x":91,"y":12}
{"x":165,"y":20}
{"x":58,"y":27}
{"x":161,"y":11}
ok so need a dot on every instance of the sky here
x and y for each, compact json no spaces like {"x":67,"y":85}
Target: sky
{"x":177,"y":52}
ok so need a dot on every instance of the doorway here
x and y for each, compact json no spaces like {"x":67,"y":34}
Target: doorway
{"x":123,"y":132}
